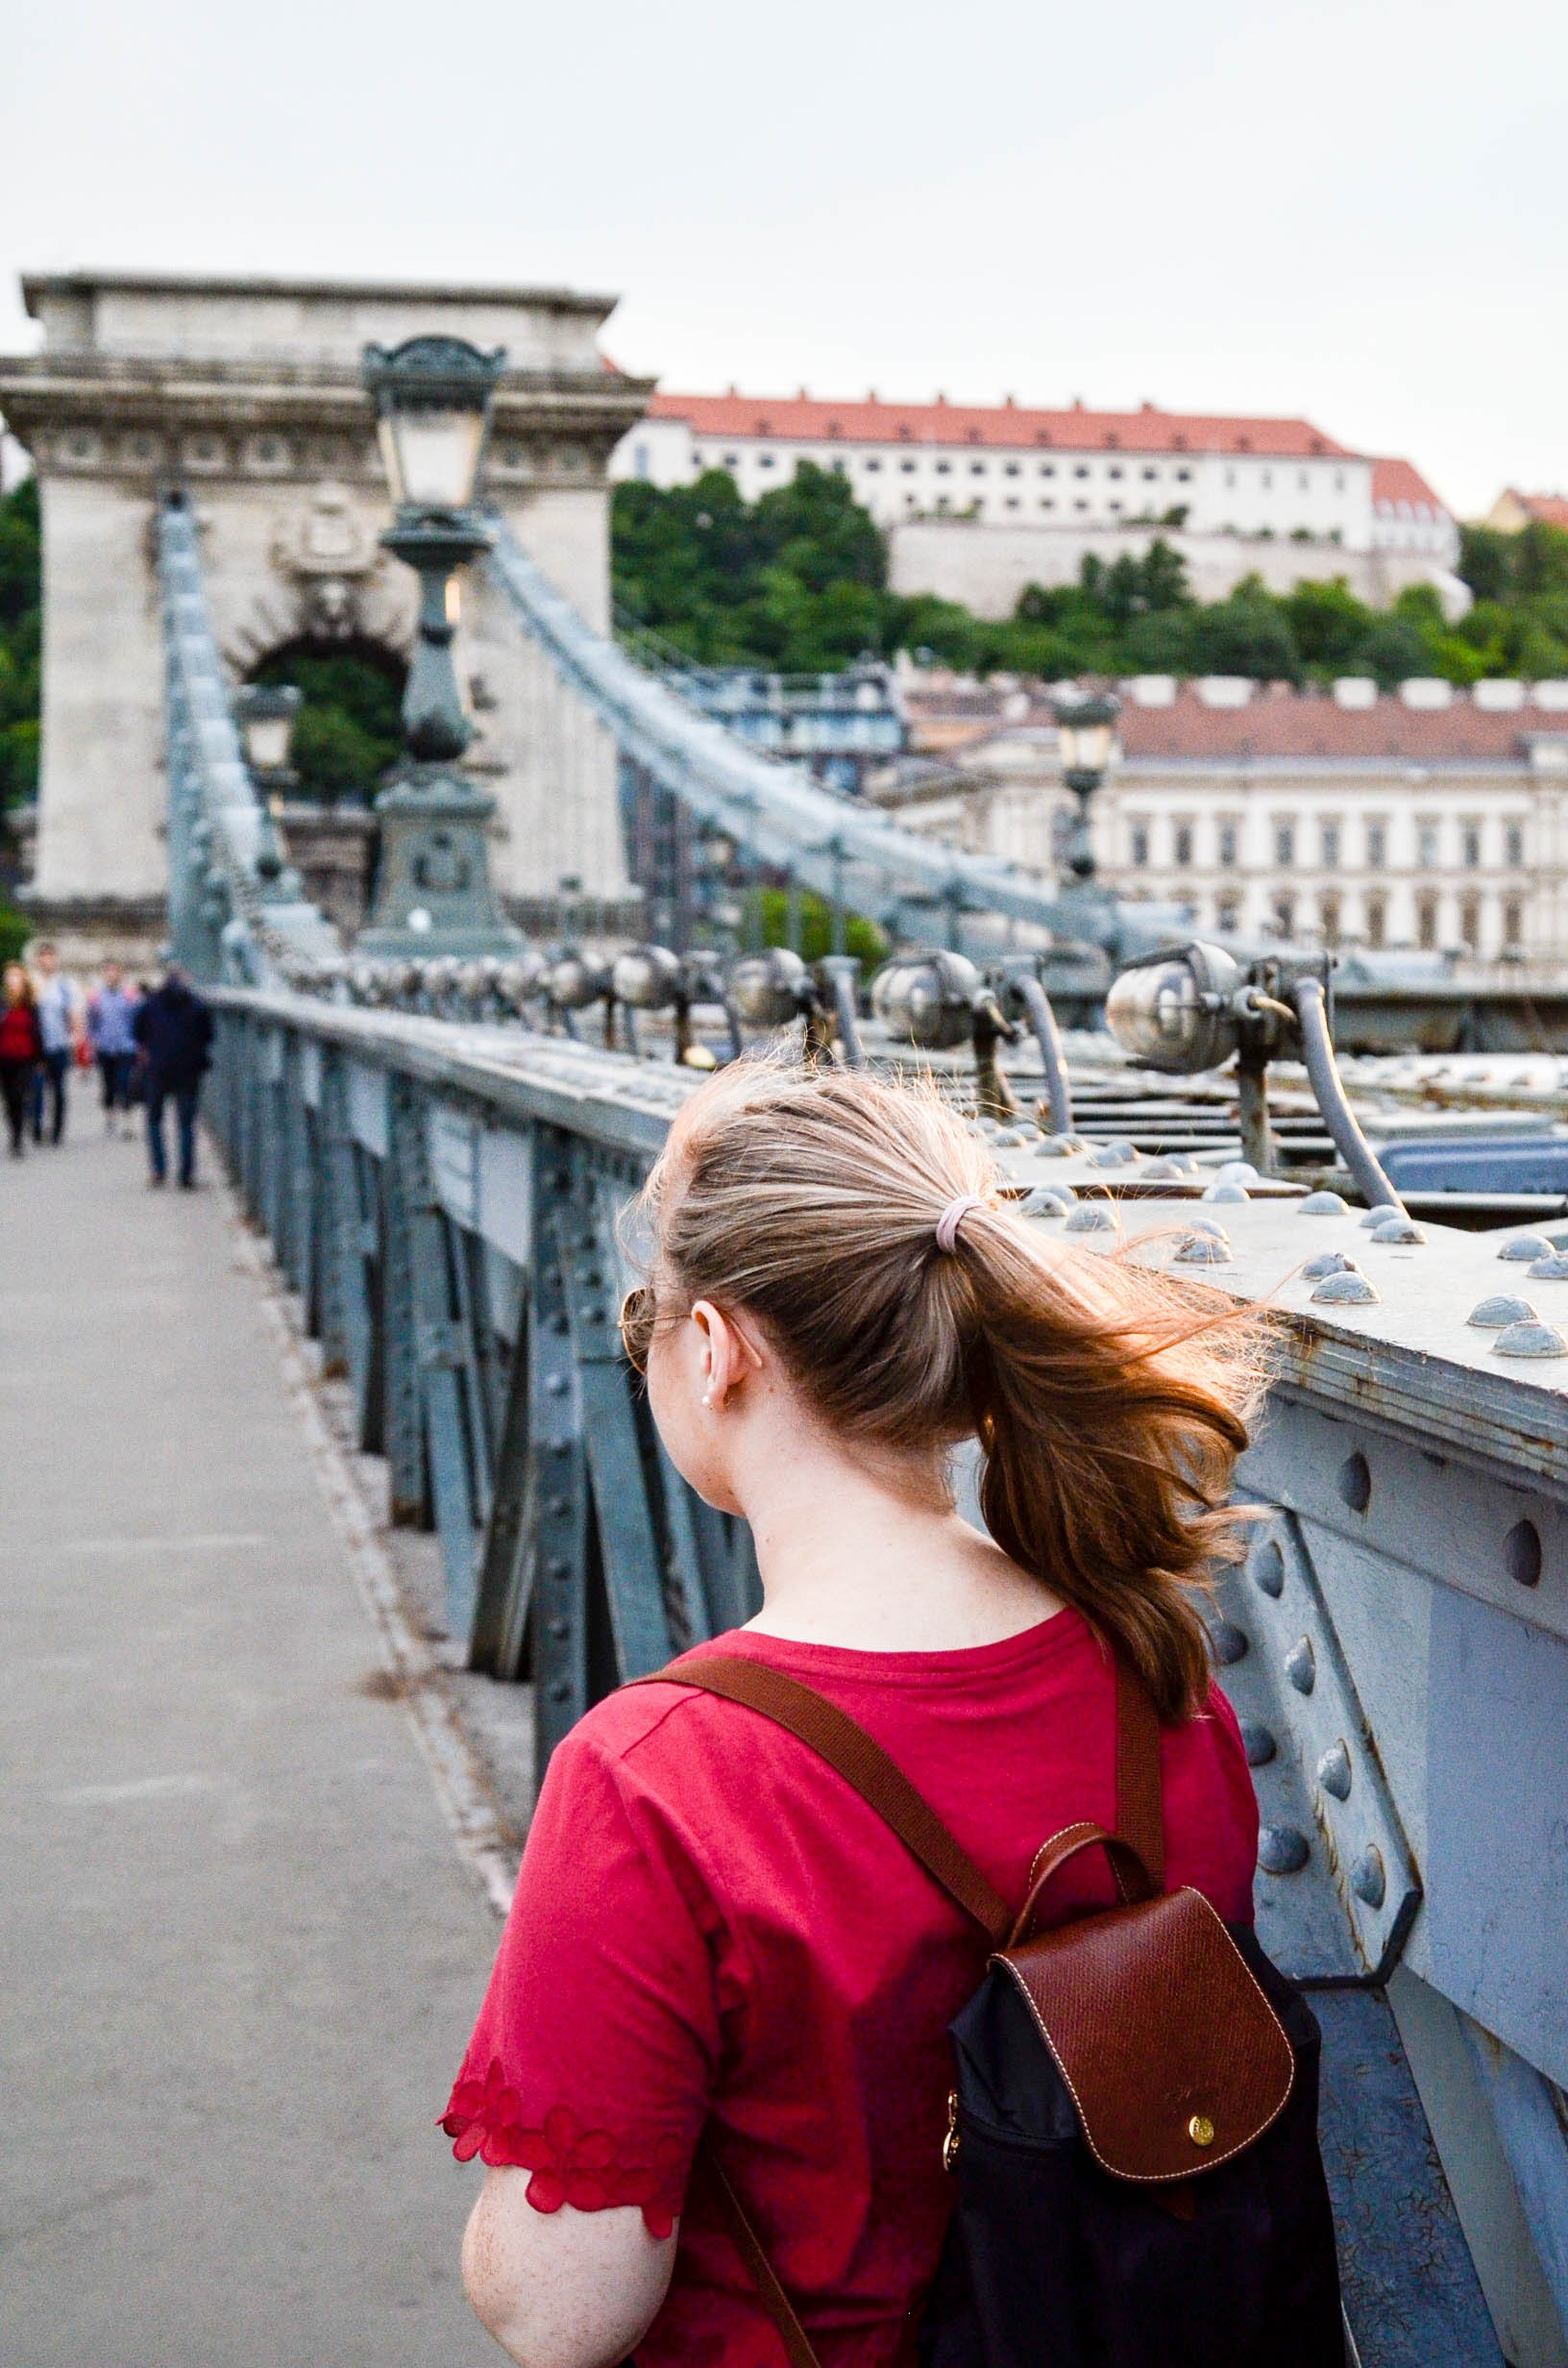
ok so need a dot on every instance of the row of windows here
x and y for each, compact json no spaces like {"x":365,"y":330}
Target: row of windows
{"x":872,"y":466}
{"x":1329,"y":920}
{"x":1289,"y":837}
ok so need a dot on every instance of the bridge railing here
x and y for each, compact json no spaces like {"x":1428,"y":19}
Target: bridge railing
{"x":445,"y":1200}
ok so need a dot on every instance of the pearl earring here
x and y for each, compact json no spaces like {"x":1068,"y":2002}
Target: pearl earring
{"x":707,"y":1399}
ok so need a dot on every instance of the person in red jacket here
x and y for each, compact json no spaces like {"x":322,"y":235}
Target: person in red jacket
{"x":21,"y":1049}
{"x":717,"y":1950}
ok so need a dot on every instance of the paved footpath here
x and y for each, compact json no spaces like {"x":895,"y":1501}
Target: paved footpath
{"x":239,"y":1954}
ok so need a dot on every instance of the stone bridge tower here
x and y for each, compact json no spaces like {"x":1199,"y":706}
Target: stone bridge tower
{"x":245,"y":393}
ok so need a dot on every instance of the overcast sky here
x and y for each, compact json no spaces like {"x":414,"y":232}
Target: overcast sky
{"x":1352,"y":209}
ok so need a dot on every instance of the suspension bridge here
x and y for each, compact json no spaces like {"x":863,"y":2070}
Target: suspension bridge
{"x":334,"y":1508}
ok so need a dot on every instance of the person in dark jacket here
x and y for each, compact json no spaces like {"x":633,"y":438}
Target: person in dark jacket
{"x":173,"y":1030}
{"x":21,"y":1049}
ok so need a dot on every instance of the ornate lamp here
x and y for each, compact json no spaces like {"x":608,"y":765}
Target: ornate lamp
{"x":1086,"y":731}
{"x":433,"y":895}
{"x":266,"y":713}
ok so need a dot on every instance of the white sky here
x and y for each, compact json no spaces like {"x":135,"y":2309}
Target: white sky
{"x":1352,"y":209}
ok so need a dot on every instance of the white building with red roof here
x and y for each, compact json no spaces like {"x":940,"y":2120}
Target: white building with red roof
{"x":1006,"y":465}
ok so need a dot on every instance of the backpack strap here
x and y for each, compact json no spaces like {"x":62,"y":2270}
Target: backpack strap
{"x":1140,"y":1810}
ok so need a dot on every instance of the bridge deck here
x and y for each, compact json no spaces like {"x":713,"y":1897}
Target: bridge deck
{"x":239,"y":1951}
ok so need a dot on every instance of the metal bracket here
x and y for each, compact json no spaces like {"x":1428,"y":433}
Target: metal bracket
{"x":1339,"y":1885}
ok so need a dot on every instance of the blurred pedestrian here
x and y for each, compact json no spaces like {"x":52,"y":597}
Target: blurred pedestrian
{"x":58,"y":1000}
{"x":174,"y":1029}
{"x":21,"y":1049}
{"x":110,"y":1010}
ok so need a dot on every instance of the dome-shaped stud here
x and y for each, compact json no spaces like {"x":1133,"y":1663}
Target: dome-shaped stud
{"x":1201,"y":1249}
{"x":1328,"y":1261}
{"x":1300,"y":1666}
{"x":1230,"y":1642}
{"x":1525,"y":1247}
{"x":1165,"y":1171}
{"x":1091,"y":1217}
{"x":1058,"y":1146}
{"x":1118,"y":1154}
{"x":1334,"y":1772}
{"x":1282,"y":1850}
{"x":1499,"y":1309}
{"x":1268,"y":1569}
{"x":1042,"y":1202}
{"x":1379,"y":1215}
{"x":1530,"y":1340}
{"x":1258,"y":1743}
{"x":1368,"y":1879}
{"x":1009,"y":1138}
{"x":1208,"y":1225}
{"x":1347,"y":1289}
{"x":1551,"y":1269}
{"x":1228,"y":1189}
{"x":1237,"y":1171}
{"x":1321,"y":1205}
{"x":1398,"y":1229}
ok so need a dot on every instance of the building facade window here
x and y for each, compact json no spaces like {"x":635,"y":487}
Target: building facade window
{"x":1227,"y":912}
{"x":1425,"y":845}
{"x":1328,"y":918}
{"x":1377,"y":921}
{"x":1470,"y":922}
{"x":1513,"y":846}
{"x":1513,"y":925}
{"x":1284,"y":915}
{"x":1227,"y":843}
{"x":1328,"y":844}
{"x":1426,"y":923}
{"x":1470,"y":845}
{"x":1285,"y":844}
{"x":1377,"y":844}
{"x":1137,"y":846}
{"x":1181,"y":846}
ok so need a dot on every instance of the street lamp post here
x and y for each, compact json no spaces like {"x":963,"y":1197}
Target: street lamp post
{"x":266,"y":713}
{"x":433,"y":895}
{"x":1086,"y":731}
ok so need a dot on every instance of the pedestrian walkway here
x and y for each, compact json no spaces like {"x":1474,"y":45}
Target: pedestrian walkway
{"x":238,"y":1952}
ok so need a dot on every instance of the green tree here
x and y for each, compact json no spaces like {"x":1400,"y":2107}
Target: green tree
{"x":769,"y":920}
{"x":1540,"y":560}
{"x":21,"y":624}
{"x":1249,"y":633}
{"x":1329,"y":625}
{"x":349,"y":731}
{"x":1486,"y":561}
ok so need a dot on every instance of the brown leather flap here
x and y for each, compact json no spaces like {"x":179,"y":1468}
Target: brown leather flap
{"x":1171,"y":2053}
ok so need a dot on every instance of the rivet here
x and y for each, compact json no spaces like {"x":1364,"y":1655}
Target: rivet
{"x":558,"y":1569}
{"x":1354,"y":1482}
{"x":1230,"y":1642}
{"x":1091,"y":1217}
{"x":1328,"y":1261}
{"x":1237,"y":1171}
{"x":1367,"y":1879}
{"x":1530,"y":1340}
{"x":1268,"y":1569}
{"x":1201,"y":1249}
{"x":1499,"y":1309}
{"x":558,"y":1627}
{"x":561,"y":1691}
{"x":1522,"y":1554}
{"x":559,"y":1326}
{"x":557,"y":1385}
{"x":1398,"y":1229}
{"x":1258,"y":1743}
{"x":1226,"y":1191}
{"x":1379,"y":1215}
{"x":1525,"y":1247}
{"x":1321,"y":1205}
{"x":1044,"y":1201}
{"x":1113,"y":1155}
{"x":1334,"y":1772}
{"x":559,"y":1505}
{"x":1551,"y":1269}
{"x":1300,"y":1666}
{"x":1201,"y":2130}
{"x":1347,"y":1289}
{"x":1282,"y":1850}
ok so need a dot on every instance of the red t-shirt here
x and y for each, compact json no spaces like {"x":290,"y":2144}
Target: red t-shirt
{"x":710,"y":1927}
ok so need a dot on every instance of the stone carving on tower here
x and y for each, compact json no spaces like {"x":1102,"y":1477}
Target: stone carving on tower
{"x":330,"y":551}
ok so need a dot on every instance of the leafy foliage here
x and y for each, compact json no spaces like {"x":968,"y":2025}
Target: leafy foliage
{"x":22,"y":627}
{"x":348,"y":728}
{"x":798,"y":581}
{"x":767,"y":925}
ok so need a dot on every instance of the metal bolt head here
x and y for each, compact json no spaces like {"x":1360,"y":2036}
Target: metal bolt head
{"x":1226,"y":1190}
{"x":1230,"y":1642}
{"x":1201,"y":1249}
{"x":1379,"y":1215}
{"x":1113,"y":1155}
{"x":1347,"y":1289}
{"x":1091,"y":1217}
{"x":1526,"y":1247}
{"x":1328,"y":1261}
{"x":1268,"y":1569}
{"x":1300,"y":1666}
{"x":1321,"y":1205}
{"x":1237,"y":1171}
{"x":1398,"y":1229}
{"x":1043,"y":1201}
{"x":1551,"y":1269}
{"x":1201,"y":2130}
{"x":1368,"y":1879}
{"x":1499,"y":1309}
{"x":1334,"y":1770}
{"x":1530,"y":1340}
{"x":1282,"y":1850}
{"x":1258,"y":1743}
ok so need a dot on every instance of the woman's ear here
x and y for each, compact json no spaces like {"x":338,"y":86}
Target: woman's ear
{"x":728,"y":1352}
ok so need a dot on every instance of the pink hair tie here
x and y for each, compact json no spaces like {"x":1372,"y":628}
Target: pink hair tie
{"x":953,"y":1215}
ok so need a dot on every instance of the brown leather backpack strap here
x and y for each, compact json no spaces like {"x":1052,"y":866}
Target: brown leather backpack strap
{"x":1140,"y":1813}
{"x":773,"y":2299}
{"x":864,"y":1765}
